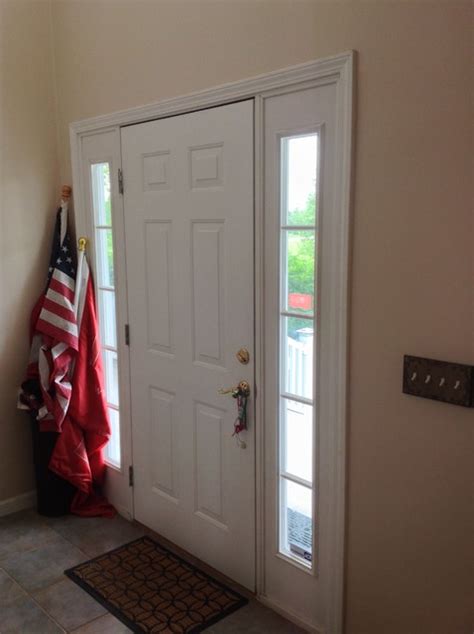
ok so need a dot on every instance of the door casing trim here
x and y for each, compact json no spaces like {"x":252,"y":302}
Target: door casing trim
{"x":338,"y":70}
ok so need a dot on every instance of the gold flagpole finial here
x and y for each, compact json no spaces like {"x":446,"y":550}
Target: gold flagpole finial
{"x":82,"y":244}
{"x":66,"y":192}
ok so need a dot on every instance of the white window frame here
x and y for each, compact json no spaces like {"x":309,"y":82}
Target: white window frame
{"x":285,"y":312}
{"x":97,"y":201}
{"x":103,"y":146}
{"x":337,"y":70}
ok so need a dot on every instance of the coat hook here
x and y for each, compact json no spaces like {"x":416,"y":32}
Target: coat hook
{"x":428,"y":378}
{"x":442,"y":382}
{"x":413,"y":376}
{"x":457,"y":384}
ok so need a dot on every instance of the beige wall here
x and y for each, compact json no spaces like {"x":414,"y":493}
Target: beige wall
{"x":28,"y":189}
{"x":412,"y":276}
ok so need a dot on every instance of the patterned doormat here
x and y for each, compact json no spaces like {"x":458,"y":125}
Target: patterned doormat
{"x":152,"y":590}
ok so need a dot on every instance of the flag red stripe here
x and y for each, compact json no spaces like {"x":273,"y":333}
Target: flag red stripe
{"x":62,"y":289}
{"x":59,"y":310}
{"x":57,"y":333}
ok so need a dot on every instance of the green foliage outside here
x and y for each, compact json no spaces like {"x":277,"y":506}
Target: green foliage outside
{"x":301,"y":253}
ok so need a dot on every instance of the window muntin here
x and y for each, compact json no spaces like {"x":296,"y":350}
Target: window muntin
{"x":298,"y":295}
{"x":106,"y":299}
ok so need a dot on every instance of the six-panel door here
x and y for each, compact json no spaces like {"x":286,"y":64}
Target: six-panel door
{"x":188,"y":196}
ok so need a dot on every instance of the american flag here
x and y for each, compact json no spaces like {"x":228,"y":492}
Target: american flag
{"x":47,"y":389}
{"x":64,"y":384}
{"x":57,"y":318}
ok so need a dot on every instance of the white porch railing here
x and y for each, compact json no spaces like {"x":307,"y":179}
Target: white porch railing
{"x":299,"y":366}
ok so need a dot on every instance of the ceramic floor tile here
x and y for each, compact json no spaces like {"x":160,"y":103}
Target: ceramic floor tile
{"x":43,"y":549}
{"x":36,"y":569}
{"x":23,"y":531}
{"x":23,"y":616}
{"x":96,"y":536}
{"x":254,"y":618}
{"x":9,"y":590}
{"x":68,"y":604}
{"x":104,"y":625}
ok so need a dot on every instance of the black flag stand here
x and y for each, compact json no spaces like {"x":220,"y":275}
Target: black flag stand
{"x":54,"y":495}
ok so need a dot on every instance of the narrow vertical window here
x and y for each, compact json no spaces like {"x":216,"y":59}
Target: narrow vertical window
{"x":298,"y":293}
{"x":106,"y":300}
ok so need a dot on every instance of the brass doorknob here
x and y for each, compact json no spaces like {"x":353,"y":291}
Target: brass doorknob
{"x":243,"y":356}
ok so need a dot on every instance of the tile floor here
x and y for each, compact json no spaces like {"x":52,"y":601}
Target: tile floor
{"x":36,"y":597}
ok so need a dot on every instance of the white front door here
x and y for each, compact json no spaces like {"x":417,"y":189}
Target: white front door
{"x":188,"y":202}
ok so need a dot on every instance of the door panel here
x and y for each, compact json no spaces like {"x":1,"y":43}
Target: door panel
{"x":189,"y":242}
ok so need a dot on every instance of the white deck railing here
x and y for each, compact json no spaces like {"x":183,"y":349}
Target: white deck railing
{"x":299,"y":367}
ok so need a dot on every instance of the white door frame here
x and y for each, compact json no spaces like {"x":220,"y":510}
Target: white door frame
{"x":336,"y":70}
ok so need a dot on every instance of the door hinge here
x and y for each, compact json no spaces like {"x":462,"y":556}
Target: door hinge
{"x":130,"y":476}
{"x":120,"y":181}
{"x":127,"y":334}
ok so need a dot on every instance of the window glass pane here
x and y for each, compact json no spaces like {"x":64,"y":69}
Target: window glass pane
{"x":111,"y":376}
{"x":297,"y":439}
{"x":298,"y":277}
{"x":112,"y":450}
{"x":107,"y":319}
{"x":105,"y":257}
{"x":297,"y":356}
{"x":296,"y":526}
{"x":100,"y":173}
{"x":299,"y":169}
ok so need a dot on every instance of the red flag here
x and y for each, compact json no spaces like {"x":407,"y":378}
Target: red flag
{"x":78,"y":454}
{"x":64,"y":385}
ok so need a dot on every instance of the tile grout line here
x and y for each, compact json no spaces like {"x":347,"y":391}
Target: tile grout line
{"x":29,"y":549}
{"x":83,"y":552}
{"x":30,"y":596}
{"x":57,"y":581}
{"x":39,"y":545}
{"x":63,"y":577}
{"x":96,"y":618}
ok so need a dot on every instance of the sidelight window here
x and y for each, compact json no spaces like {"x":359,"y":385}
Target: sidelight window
{"x":106,"y":300}
{"x":298,"y":305}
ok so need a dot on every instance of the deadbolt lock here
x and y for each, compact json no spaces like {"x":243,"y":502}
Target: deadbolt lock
{"x":243,"y":356}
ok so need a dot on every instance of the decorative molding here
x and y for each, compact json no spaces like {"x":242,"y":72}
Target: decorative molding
{"x":327,"y":69}
{"x":18,"y":503}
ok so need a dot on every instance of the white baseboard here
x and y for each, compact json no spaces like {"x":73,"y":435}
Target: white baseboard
{"x":290,"y":616}
{"x":18,"y":503}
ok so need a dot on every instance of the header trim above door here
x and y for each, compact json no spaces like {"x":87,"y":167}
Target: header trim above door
{"x":328,"y":69}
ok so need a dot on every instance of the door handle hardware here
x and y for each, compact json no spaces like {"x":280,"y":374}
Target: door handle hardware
{"x":241,"y":394}
{"x":242,"y":389}
{"x":243,"y":356}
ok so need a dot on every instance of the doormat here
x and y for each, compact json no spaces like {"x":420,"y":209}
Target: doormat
{"x":152,"y":590}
